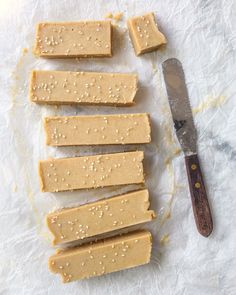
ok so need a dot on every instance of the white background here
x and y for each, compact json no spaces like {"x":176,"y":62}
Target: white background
{"x":202,"y":34}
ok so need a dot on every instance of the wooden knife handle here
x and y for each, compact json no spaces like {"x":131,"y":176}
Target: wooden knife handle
{"x":201,"y":209}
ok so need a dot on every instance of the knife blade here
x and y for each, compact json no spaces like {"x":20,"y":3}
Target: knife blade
{"x":187,"y":135}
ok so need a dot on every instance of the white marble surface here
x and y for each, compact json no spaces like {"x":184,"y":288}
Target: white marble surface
{"x":202,"y":35}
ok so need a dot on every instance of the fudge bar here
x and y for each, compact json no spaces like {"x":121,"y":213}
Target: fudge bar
{"x":74,"y":39}
{"x":85,"y":88}
{"x":100,"y":217}
{"x":91,"y":172}
{"x":102,"y":257}
{"x":98,"y":130}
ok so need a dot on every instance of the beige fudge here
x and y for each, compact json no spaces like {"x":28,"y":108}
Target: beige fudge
{"x":144,"y":33}
{"x":109,"y":255}
{"x":62,"y":87}
{"x":91,"y":172}
{"x":98,"y":130}
{"x":74,"y":39}
{"x":100,"y":217}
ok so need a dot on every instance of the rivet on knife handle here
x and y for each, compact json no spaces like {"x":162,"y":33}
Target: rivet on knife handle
{"x":200,"y":203}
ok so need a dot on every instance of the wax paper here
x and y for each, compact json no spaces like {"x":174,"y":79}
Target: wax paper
{"x":202,"y":35}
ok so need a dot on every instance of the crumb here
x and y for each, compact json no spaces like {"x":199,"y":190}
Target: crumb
{"x":118,"y":16}
{"x":165,"y":239}
{"x":14,"y":188}
{"x":25,"y":50}
{"x":109,"y":15}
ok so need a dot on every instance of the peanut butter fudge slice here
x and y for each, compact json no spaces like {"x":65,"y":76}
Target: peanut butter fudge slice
{"x":106,"y":256}
{"x":100,"y":217}
{"x":74,"y":39}
{"x":98,"y":130}
{"x":91,"y":172}
{"x":144,"y":33}
{"x":63,"y":87}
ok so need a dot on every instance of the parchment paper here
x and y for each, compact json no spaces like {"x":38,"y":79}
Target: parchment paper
{"x":202,"y":35}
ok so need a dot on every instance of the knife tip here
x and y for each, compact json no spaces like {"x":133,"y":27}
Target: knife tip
{"x":171,"y":60}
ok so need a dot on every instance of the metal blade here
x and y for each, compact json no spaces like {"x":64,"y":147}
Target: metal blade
{"x":179,"y":104}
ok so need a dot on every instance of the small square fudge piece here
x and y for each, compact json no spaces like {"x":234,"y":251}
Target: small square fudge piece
{"x":144,"y":33}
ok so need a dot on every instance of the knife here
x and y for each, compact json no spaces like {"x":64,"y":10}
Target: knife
{"x":187,"y":135}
